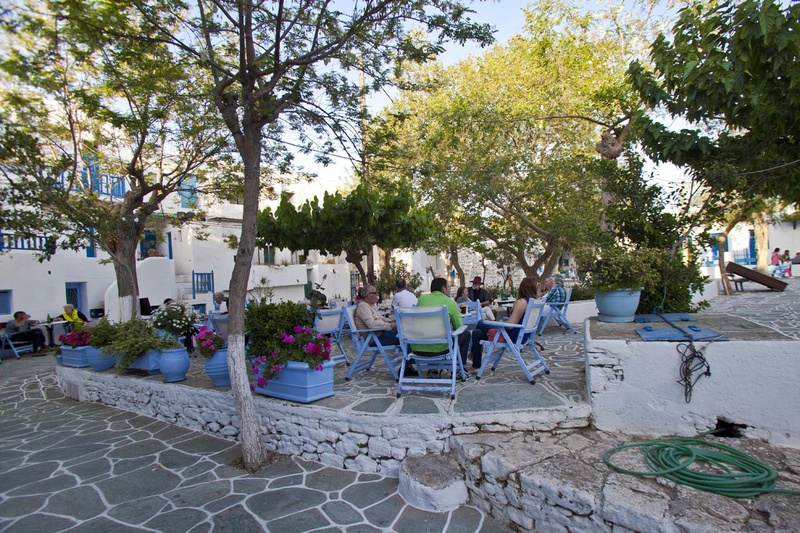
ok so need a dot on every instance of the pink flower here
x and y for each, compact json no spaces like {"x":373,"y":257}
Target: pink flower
{"x":261,"y":382}
{"x":298,"y":329}
{"x":308,"y":331}
{"x":252,"y":388}
{"x":319,"y":367}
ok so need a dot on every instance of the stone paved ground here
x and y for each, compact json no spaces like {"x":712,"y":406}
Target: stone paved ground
{"x":87,"y":467}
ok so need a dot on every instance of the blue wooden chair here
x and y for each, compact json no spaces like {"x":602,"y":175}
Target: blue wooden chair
{"x":558,"y":313}
{"x":525,"y":338}
{"x":366,"y":340}
{"x":219,"y":323}
{"x":331,"y":322}
{"x":15,"y":348}
{"x":428,"y":325}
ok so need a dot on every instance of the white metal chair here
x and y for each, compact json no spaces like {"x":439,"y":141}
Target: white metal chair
{"x":428,"y":325}
{"x":558,"y":313}
{"x":502,"y":342}
{"x":331,"y":322}
{"x":366,"y":340}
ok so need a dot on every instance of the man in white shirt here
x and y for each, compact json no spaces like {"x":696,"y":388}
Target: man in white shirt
{"x":402,"y":296}
{"x":220,"y":306}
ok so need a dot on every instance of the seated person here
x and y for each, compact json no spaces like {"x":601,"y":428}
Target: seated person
{"x":402,"y":296}
{"x":478,"y":294}
{"x":438,"y":297}
{"x":556,"y":294}
{"x":23,"y":329}
{"x":527,"y":290}
{"x":220,"y":305}
{"x":367,"y":317}
{"x":74,"y":317}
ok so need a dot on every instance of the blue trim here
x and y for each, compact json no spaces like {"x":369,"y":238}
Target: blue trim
{"x":5,"y":302}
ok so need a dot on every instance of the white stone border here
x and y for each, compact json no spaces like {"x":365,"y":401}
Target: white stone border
{"x":374,"y":443}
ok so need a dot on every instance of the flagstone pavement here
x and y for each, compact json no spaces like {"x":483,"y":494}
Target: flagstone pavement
{"x":80,"y":467}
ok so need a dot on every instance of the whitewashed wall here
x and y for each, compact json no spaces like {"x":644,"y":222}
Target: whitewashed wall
{"x":37,"y":288}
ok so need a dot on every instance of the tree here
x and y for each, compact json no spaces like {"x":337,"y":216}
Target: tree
{"x":283,"y":65}
{"x":499,"y":146}
{"x":350,"y":224}
{"x":729,"y":69}
{"x":96,"y":130}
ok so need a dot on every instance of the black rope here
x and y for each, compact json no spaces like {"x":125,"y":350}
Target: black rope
{"x":693,"y":366}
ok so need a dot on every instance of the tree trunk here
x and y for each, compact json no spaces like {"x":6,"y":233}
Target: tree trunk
{"x":459,"y":271}
{"x":355,"y":260}
{"x":371,"y":265}
{"x":254,"y":453}
{"x":124,"y":259}
{"x":726,"y":282}
{"x":762,"y":243}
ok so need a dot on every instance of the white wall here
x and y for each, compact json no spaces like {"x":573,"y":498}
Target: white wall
{"x":37,"y":288}
{"x":95,"y":275}
{"x":632,"y":388}
{"x":156,"y":282}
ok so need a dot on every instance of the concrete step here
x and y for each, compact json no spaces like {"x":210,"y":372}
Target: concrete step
{"x":183,"y":278}
{"x":432,"y":483}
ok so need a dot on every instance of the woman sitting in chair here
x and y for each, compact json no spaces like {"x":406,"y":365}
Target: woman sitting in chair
{"x":74,"y":317}
{"x":527,"y":289}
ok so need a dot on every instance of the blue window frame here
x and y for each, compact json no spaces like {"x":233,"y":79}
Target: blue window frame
{"x":189,"y":192}
{"x":5,"y":302}
{"x":91,"y":250}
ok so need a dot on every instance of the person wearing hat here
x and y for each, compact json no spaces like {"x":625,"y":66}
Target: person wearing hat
{"x":478,"y":293}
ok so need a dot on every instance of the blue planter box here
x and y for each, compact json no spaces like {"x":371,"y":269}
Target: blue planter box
{"x":98,"y":359}
{"x":74,"y":357}
{"x":149,"y":362}
{"x":299,"y":383}
{"x":217,"y":368}
{"x":617,"y":306}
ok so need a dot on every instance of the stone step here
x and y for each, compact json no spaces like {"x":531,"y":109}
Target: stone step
{"x":432,"y":482}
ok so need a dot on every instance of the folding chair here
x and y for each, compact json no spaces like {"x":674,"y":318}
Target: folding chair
{"x":474,"y":313}
{"x":15,"y":347}
{"x":502,"y":342}
{"x":366,"y":340}
{"x":558,"y":313}
{"x":219,"y":323}
{"x":331,"y":322}
{"x":428,"y":325}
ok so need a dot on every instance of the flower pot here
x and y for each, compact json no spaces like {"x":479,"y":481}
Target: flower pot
{"x":74,"y":357}
{"x":174,"y":364}
{"x":150,"y":362}
{"x":617,"y":306}
{"x":217,"y":368}
{"x":300,"y":383}
{"x":98,"y":359}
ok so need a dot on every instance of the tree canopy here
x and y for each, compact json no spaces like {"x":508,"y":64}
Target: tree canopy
{"x":729,"y":69}
{"x":351,"y":223}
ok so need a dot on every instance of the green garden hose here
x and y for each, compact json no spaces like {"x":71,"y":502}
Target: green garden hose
{"x":719,"y":469}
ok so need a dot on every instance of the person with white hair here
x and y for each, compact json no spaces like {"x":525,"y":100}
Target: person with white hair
{"x":73,"y":317}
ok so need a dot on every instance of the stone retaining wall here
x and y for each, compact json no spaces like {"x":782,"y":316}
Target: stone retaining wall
{"x":352,"y":440}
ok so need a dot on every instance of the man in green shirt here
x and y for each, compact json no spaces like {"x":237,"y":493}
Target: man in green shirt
{"x":439,"y":296}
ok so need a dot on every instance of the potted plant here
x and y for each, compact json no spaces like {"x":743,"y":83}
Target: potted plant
{"x":617,"y":275}
{"x":73,"y":347}
{"x":138,"y":346}
{"x":291,"y":361}
{"x":212,"y":347}
{"x":103,"y":333}
{"x":177,"y":320}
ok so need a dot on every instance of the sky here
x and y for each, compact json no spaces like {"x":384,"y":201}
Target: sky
{"x":505,"y":16}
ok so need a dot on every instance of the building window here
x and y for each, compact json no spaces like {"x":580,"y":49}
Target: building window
{"x":5,"y":302}
{"x":189,"y":192}
{"x":269,"y":255}
{"x":91,"y":250}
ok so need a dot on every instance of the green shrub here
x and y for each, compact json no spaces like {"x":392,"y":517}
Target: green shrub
{"x":264,"y":322}
{"x":581,"y":292}
{"x":133,"y":339}
{"x":103,"y":333}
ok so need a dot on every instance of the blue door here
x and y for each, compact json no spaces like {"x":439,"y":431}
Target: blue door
{"x":147,"y":243}
{"x":75,"y":295}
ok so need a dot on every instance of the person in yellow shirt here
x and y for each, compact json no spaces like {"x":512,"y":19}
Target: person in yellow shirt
{"x":73,"y":316}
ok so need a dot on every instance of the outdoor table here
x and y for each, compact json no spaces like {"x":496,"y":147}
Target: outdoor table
{"x":49,"y":327}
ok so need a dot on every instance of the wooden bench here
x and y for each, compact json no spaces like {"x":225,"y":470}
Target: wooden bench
{"x":758,"y":277}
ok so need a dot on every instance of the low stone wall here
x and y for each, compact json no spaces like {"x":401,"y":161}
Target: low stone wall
{"x":352,"y":440}
{"x":557,"y":482}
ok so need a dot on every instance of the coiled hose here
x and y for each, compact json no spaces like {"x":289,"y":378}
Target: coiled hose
{"x":718,"y":469}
